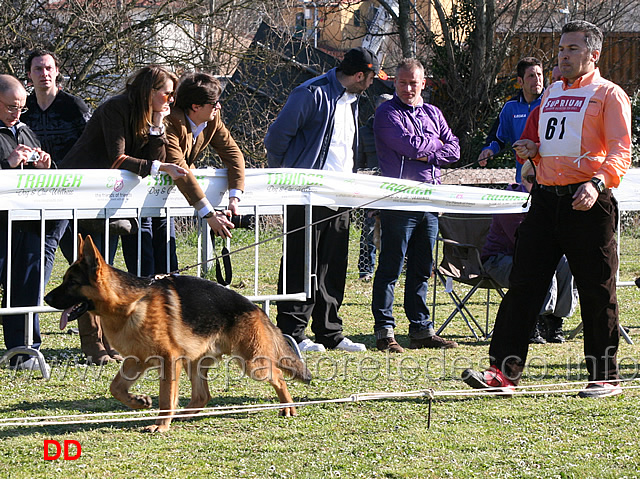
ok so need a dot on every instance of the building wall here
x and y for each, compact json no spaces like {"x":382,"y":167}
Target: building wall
{"x":342,"y":24}
{"x":618,"y":60}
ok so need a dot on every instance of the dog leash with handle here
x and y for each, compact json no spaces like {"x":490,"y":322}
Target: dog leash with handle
{"x":226,"y":261}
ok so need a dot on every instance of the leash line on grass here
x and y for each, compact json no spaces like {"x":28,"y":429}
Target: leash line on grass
{"x":215,"y":411}
{"x":430,"y":394}
{"x":154,"y":414}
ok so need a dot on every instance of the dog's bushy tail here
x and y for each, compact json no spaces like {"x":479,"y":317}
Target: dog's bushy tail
{"x":288,"y":361}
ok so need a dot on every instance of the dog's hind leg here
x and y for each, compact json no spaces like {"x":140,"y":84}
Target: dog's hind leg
{"x":254,"y":343}
{"x":265,"y":369}
{"x":168,"y":399}
{"x":130,"y":371}
{"x":200,"y":394}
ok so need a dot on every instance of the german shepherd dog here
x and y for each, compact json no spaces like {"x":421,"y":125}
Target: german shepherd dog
{"x":171,"y":323}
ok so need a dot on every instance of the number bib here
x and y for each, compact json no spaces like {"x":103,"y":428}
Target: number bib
{"x":561,"y":119}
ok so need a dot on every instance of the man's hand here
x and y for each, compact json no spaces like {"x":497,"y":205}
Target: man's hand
{"x":484,"y":156}
{"x":45,"y":159}
{"x":585,"y":197}
{"x":233,"y":205}
{"x":525,"y":149}
{"x":21,"y":154}
{"x":220,"y":223}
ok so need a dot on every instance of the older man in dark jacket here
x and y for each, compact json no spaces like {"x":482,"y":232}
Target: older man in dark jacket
{"x":19,"y":148}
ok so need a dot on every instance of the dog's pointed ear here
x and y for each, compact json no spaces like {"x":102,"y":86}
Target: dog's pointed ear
{"x":80,"y":245}
{"x":90,"y":254}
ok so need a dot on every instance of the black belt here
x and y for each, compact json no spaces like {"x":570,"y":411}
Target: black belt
{"x":562,"y":190}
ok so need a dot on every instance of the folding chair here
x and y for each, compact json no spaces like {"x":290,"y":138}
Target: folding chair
{"x":462,"y":236}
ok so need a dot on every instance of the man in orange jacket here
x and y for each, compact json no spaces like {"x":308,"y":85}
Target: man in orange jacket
{"x":582,"y":147}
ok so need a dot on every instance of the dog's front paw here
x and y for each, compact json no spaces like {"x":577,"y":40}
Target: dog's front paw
{"x":288,"y":412}
{"x":139,"y":401}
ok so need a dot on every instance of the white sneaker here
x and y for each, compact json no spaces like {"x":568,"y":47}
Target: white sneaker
{"x":347,"y":345}
{"x":30,"y":364}
{"x":308,"y":345}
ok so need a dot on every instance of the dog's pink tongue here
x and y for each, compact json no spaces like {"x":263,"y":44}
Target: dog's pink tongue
{"x":64,"y":318}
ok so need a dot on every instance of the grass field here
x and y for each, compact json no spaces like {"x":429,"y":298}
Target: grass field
{"x":532,"y":435}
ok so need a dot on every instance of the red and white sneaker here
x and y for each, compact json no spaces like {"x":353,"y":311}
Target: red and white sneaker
{"x":493,"y":380}
{"x":600,"y":390}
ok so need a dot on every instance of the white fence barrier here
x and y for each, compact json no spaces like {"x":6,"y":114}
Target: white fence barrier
{"x":74,"y":195}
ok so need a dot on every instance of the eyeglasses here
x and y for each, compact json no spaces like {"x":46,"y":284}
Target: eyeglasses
{"x":168,"y":97}
{"x":14,"y":109}
{"x":216,"y":105}
{"x":530,"y":178}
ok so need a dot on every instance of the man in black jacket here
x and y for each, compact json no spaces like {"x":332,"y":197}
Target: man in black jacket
{"x":19,"y":148}
{"x":58,"y":119}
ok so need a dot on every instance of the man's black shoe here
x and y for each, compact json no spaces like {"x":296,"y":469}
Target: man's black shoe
{"x":432,"y":342}
{"x":554,"y":329}
{"x":536,"y":334}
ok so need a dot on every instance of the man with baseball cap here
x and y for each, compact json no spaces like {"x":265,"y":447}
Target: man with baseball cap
{"x":318,"y":128}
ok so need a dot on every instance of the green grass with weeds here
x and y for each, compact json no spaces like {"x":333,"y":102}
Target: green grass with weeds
{"x":548,"y":435}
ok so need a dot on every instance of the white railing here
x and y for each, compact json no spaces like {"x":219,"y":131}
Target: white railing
{"x":74,"y":195}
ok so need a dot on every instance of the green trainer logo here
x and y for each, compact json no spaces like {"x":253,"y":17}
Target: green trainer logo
{"x":294,"y":179}
{"x":406,"y":190}
{"x":49,"y":180}
{"x":165,"y":180}
{"x":501,"y":197}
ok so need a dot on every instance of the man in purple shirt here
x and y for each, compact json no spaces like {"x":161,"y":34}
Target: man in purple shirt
{"x":412,"y":140}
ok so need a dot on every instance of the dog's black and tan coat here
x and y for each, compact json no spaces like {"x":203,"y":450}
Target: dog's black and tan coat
{"x":171,"y":323}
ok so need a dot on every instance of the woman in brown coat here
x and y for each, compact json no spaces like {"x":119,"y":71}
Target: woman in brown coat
{"x":126,"y":132}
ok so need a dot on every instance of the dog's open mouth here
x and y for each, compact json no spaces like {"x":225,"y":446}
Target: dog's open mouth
{"x":74,"y":312}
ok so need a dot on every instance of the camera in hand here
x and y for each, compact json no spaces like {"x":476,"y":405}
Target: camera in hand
{"x":243,"y":221}
{"x":33,"y":157}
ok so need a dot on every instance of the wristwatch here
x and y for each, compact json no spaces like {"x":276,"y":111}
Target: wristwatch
{"x":156,"y":130}
{"x":208,"y":215}
{"x":598,"y":183}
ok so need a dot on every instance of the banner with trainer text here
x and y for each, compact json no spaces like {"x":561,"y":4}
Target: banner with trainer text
{"x":113,"y":189}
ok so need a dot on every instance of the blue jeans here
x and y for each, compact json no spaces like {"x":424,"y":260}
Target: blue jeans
{"x":54,"y":231}
{"x":25,"y":280}
{"x":412,"y":235}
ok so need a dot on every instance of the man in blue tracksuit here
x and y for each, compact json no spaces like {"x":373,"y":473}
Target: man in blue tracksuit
{"x":515,"y":112}
{"x":318,"y":129}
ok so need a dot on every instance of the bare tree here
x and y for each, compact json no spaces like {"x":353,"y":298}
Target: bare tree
{"x":99,"y":42}
{"x":468,"y":45}
{"x":474,"y":40}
